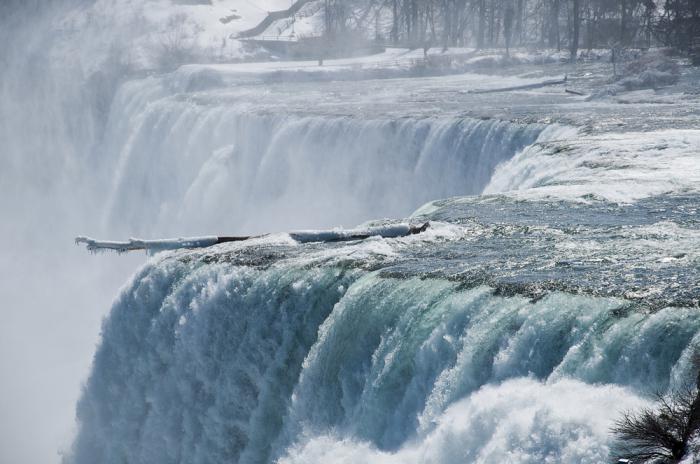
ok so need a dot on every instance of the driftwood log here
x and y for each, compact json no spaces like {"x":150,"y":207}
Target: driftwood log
{"x":310,"y":236}
{"x":521,"y":87}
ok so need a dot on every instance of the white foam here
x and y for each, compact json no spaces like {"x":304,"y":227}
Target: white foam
{"x":520,"y":421}
{"x":615,"y":167}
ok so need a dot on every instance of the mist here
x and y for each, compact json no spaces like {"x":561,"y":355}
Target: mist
{"x":54,"y":295}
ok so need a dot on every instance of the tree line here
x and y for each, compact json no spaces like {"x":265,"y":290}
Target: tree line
{"x":560,"y":24}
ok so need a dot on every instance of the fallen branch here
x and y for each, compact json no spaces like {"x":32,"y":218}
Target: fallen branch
{"x":573,"y":92}
{"x":521,"y":87}
{"x":307,"y":236}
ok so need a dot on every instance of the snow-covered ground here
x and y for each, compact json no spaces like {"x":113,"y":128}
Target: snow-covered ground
{"x":391,"y":58}
{"x":143,"y":33}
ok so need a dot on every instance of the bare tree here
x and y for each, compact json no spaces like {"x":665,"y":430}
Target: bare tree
{"x":661,"y":435}
{"x":482,"y":24}
{"x":508,"y":18}
{"x":176,"y":45}
{"x":560,"y":24}
{"x":576,"y":30}
{"x":554,"y":35}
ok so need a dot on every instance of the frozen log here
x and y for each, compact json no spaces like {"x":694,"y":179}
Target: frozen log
{"x":302,"y":236}
{"x":134,"y":244}
{"x":521,"y":87}
{"x":340,"y":235}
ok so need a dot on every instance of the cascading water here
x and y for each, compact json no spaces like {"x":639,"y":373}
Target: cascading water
{"x":473,"y":342}
{"x":305,"y":353}
{"x":469,"y":343}
{"x":193,"y":167}
{"x":190,"y":168}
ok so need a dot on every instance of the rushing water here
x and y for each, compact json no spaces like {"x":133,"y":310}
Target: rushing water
{"x":514,"y":330}
{"x":481,"y":340}
{"x":193,"y":168}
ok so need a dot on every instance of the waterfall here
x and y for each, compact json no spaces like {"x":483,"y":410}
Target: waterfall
{"x":181,"y":166}
{"x":309,"y":363}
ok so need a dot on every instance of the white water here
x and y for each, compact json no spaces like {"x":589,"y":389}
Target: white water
{"x":220,"y":363}
{"x":186,"y":167}
{"x":520,"y":421}
{"x":621,"y":168}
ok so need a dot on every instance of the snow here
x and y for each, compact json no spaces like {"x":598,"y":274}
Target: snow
{"x":391,"y":58}
{"x":141,"y":32}
{"x":651,"y":71}
{"x":208,"y":16}
{"x":148,"y":245}
{"x":306,"y":23}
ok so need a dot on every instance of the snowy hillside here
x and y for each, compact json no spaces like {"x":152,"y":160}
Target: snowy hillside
{"x":146,"y":33}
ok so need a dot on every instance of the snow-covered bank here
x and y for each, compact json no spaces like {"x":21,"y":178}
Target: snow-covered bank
{"x":157,"y":33}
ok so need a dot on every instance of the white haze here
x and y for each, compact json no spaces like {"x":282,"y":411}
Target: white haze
{"x":60,"y":63}
{"x":66,"y":169}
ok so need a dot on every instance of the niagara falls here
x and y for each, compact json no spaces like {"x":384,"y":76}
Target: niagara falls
{"x":350,"y":231}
